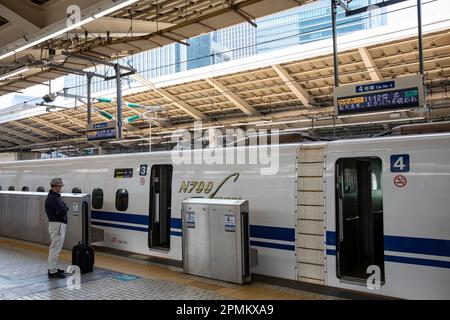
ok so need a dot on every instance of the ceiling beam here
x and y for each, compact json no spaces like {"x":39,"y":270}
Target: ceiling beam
{"x":16,"y":141}
{"x":55,"y":127}
{"x":6,"y":144}
{"x":194,"y":113}
{"x":31,"y":128}
{"x":292,"y":84}
{"x":374,"y":73}
{"x":234,"y":98}
{"x":20,"y":22}
{"x":20,"y":134}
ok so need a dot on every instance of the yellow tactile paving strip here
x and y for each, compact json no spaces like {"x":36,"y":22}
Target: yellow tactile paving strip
{"x":253,"y":291}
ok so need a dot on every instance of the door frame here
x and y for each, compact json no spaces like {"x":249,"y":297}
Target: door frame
{"x":151,"y":235}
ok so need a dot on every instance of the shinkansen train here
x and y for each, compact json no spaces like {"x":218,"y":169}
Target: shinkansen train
{"x":329,"y":213}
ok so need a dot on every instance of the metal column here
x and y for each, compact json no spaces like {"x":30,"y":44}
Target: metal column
{"x":89,"y":102}
{"x":119,"y":101}
{"x":420,"y":35}
{"x":335,"y":49}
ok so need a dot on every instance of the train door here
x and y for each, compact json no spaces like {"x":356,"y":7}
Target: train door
{"x":359,"y":218}
{"x":160,"y":207}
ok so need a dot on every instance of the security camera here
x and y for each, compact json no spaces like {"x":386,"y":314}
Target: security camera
{"x":49,"y":97}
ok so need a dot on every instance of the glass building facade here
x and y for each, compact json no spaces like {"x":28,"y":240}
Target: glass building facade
{"x":297,"y":26}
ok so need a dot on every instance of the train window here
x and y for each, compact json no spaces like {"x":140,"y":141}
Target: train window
{"x":359,"y":217}
{"x":25,"y":188}
{"x":40,"y":189}
{"x":97,"y":198}
{"x":0,"y":188}
{"x":11,"y":188}
{"x":76,"y":190}
{"x":122,"y":200}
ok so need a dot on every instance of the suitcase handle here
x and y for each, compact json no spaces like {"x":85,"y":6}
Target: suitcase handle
{"x":86,"y":223}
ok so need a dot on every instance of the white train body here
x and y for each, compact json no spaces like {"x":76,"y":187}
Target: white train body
{"x":294,"y":218}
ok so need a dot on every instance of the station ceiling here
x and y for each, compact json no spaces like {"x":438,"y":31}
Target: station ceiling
{"x":142,"y":25}
{"x":291,"y":96}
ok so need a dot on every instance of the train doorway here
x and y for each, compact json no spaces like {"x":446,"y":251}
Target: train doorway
{"x":359,"y":218}
{"x":160,"y":207}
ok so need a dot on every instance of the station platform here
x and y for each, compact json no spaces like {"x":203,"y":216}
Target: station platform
{"x":23,"y":276}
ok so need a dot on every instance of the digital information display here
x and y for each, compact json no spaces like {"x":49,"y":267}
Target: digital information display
{"x":399,"y":93}
{"x":101,"y":134}
{"x":101,"y":131}
{"x":388,"y":100}
{"x":123,"y":173}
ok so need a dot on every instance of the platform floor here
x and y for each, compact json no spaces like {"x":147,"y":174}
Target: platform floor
{"x":23,"y":276}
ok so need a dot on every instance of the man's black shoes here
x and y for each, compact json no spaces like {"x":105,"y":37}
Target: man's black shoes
{"x":56,"y":275}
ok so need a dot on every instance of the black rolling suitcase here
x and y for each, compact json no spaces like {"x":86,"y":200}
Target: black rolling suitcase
{"x":83,"y":253}
{"x":83,"y":257}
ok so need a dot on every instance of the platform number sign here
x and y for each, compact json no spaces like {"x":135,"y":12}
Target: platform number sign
{"x":400,"y":163}
{"x":143,"y":170}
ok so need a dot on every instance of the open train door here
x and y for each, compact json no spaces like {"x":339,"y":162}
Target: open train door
{"x":160,"y":207}
{"x":359,"y":218}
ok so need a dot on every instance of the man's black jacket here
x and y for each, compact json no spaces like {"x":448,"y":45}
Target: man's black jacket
{"x":55,"y":208}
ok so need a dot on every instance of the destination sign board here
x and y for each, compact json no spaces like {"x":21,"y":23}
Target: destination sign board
{"x":401,"y":93}
{"x":101,"y":131}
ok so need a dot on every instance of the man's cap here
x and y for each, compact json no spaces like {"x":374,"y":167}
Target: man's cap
{"x":56,"y":182}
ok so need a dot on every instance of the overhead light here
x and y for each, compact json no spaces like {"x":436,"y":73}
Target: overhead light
{"x":353,"y":124}
{"x":10,"y":53}
{"x":174,"y":135}
{"x":115,"y":8}
{"x":206,"y":128}
{"x":55,"y":34}
{"x":49,"y":97}
{"x":64,"y":30}
{"x":258,"y":122}
{"x":174,"y":131}
{"x":283,"y":122}
{"x":14,"y":73}
{"x":133,"y":140}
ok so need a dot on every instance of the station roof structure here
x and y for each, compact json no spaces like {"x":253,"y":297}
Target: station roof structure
{"x":106,"y":30}
{"x":292,"y":91}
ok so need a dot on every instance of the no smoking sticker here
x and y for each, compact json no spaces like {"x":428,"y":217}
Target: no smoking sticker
{"x":400,"y":181}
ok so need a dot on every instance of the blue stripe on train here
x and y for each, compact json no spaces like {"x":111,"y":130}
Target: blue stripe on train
{"x":272,"y":245}
{"x":130,"y":218}
{"x":273,"y":233}
{"x":434,"y":247}
{"x":119,"y":226}
{"x":264,"y":232}
{"x":408,"y":260}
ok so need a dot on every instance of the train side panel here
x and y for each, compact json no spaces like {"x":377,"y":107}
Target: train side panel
{"x":416,"y":215}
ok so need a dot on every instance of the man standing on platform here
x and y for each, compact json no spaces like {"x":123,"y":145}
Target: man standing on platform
{"x":56,"y":211}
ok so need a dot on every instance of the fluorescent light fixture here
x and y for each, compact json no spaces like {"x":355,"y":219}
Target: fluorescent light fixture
{"x":133,"y":140}
{"x":258,"y":122}
{"x":74,"y":26}
{"x":379,"y":112}
{"x":206,"y":128}
{"x":353,"y":124}
{"x":10,"y":53}
{"x":14,"y":73}
{"x":55,"y":34}
{"x":115,"y":8}
{"x":179,"y":135}
{"x":283,"y":122}
{"x":174,"y":131}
